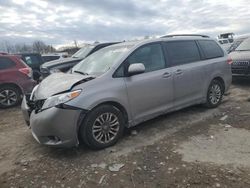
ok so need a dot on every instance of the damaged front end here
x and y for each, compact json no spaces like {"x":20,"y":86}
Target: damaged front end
{"x":45,"y":110}
{"x":54,"y":85}
{"x":29,"y":105}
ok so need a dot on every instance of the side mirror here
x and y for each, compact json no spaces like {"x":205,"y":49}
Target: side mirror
{"x":136,"y":68}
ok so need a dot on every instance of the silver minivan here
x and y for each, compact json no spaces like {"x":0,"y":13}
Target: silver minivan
{"x":123,"y":85}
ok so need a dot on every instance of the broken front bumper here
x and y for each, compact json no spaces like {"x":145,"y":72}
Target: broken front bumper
{"x":53,"y":126}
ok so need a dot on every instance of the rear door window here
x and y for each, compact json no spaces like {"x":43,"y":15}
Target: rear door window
{"x":182,"y":52}
{"x":211,"y":49}
{"x":6,"y":63}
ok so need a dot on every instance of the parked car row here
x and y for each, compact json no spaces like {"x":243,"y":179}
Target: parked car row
{"x":123,"y":85}
{"x":21,"y":72}
{"x":104,"y":88}
{"x":63,"y":65}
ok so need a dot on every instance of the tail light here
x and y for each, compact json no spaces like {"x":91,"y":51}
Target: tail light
{"x":229,"y":61}
{"x":27,"y":71}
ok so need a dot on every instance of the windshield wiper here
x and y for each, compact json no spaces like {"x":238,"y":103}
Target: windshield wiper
{"x":82,"y":73}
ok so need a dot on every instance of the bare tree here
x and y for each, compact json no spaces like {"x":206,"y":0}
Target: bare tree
{"x":39,"y":46}
{"x":36,"y":46}
{"x":9,"y":47}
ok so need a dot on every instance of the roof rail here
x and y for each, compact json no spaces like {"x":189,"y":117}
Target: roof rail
{"x":3,"y":53}
{"x":186,"y":35}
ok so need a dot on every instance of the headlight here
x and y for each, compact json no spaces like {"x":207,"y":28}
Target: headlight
{"x":60,"y":99}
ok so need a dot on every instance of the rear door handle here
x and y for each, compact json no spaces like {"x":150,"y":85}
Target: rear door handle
{"x":166,"y":75}
{"x":179,"y":71}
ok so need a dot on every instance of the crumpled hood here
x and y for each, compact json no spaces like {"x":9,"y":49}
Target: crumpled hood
{"x":51,"y":64}
{"x":240,"y":55}
{"x":58,"y":82}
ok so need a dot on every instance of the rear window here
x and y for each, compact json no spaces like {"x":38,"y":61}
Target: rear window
{"x":182,"y":52}
{"x":211,"y":49}
{"x":6,"y":63}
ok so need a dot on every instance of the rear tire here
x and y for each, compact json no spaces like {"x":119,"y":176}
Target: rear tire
{"x":214,"y":94}
{"x":102,"y":127}
{"x":9,"y":96}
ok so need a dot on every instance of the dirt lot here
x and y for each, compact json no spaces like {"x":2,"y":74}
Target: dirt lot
{"x":195,"y":147}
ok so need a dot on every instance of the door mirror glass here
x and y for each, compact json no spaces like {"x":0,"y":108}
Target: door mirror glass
{"x":136,"y":68}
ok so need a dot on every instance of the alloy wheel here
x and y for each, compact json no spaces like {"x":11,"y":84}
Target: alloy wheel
{"x":215,"y":94}
{"x":8,"y":97}
{"x":105,"y":128}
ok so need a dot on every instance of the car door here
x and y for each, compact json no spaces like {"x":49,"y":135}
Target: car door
{"x":7,"y":70}
{"x":149,"y":93}
{"x":188,"y":72}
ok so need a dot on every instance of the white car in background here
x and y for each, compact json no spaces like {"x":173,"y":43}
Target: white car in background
{"x":237,"y":41}
{"x":225,"y":43}
{"x":54,"y":56}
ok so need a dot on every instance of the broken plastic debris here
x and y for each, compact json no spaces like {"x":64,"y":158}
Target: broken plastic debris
{"x":115,"y":167}
{"x":224,"y":118}
{"x":134,"y":132}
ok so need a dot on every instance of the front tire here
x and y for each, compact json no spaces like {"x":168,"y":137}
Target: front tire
{"x":102,"y":127}
{"x":214,"y":94}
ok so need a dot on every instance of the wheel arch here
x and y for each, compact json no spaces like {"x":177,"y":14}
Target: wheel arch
{"x":12,"y":85}
{"x":84,"y":113}
{"x":117,"y":105}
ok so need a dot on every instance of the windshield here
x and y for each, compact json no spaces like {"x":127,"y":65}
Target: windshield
{"x":244,"y":46}
{"x":83,"y":52}
{"x":235,"y":44}
{"x":100,"y":61}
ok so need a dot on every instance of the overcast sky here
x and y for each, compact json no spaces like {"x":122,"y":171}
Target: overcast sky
{"x":62,"y":21}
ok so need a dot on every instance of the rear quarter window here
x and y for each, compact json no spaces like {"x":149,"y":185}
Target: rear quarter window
{"x":6,"y":63}
{"x":182,"y":52}
{"x":211,"y":49}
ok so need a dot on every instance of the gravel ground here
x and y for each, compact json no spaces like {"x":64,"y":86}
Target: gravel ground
{"x":194,"y":147}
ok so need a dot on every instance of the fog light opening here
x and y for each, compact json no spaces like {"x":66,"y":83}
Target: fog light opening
{"x":54,"y":138}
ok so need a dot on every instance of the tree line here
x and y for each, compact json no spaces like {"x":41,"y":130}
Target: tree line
{"x":36,"y":47}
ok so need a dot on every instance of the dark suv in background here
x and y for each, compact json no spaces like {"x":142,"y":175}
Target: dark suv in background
{"x":33,"y":60}
{"x":15,"y":80}
{"x":63,"y":65}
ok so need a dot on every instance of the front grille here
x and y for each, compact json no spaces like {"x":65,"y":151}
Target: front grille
{"x":38,"y":105}
{"x":241,"y":63}
{"x":35,"y":105}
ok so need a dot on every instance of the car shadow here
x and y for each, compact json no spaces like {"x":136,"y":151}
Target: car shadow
{"x":161,"y":123}
{"x":241,"y":81}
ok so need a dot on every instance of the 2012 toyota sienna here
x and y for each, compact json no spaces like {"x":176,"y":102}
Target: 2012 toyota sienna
{"x":123,"y":85}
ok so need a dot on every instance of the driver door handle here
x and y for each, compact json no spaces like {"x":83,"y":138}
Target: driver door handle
{"x":166,"y":75}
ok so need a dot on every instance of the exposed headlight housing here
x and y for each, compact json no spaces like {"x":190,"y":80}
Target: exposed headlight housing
{"x":33,"y":92}
{"x":54,"y":70}
{"x":60,"y":99}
